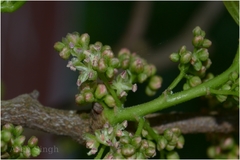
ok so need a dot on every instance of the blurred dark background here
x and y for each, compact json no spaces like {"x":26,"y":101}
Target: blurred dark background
{"x":152,"y":29}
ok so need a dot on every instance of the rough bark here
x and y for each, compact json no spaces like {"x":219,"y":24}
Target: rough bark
{"x":26,"y":110}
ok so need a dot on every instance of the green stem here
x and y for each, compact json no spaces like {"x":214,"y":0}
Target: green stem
{"x":151,"y":132}
{"x":168,"y":100}
{"x":100,"y":153}
{"x":140,"y":126}
{"x":10,"y":6}
{"x":176,"y":80}
{"x":223,"y":92}
{"x":112,"y":92}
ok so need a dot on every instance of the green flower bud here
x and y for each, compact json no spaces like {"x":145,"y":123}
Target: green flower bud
{"x":33,"y":141}
{"x":117,"y":156}
{"x":128,"y":150}
{"x":35,"y":151}
{"x":174,"y":140}
{"x":125,"y":63}
{"x":185,"y":57}
{"x":168,"y":134}
{"x":149,"y":91}
{"x":4,"y":146}
{"x":84,"y":40}
{"x":182,"y":50}
{"x":65,"y":53}
{"x":79,"y":98}
{"x":136,"y":141}
{"x":73,"y":38}
{"x":176,"y":131}
{"x":92,"y":76}
{"x":101,"y":91}
{"x":114,"y":62}
{"x":186,"y":86}
{"x":209,"y":76}
{"x":211,"y":152}
{"x":16,"y":149}
{"x":226,"y":87}
{"x":170,"y":147}
{"x":109,"y":100}
{"x":144,"y":145}
{"x":150,"y":152}
{"x":161,"y":143}
{"x":206,"y":43}
{"x":174,"y":57}
{"x":227,"y":143}
{"x":197,"y":41}
{"x":194,"y":81}
{"x":6,"y":135}
{"x":137,"y":66}
{"x":88,"y":97}
{"x":97,"y":46}
{"x":132,"y":156}
{"x":155,"y":82}
{"x":26,"y":152}
{"x":58,"y":46}
{"x":110,"y":72}
{"x":124,"y":51}
{"x":221,"y":98}
{"x":197,"y":31}
{"x":125,"y":139}
{"x":139,"y":155}
{"x":102,"y":66}
{"x":8,"y":127}
{"x":233,"y":76}
{"x":106,"y":47}
{"x":144,"y":133}
{"x":197,"y":65}
{"x":19,"y":140}
{"x":108,"y":54}
{"x":207,"y":63}
{"x":180,"y":142}
{"x":141,"y":77}
{"x":172,"y":155}
{"x":202,"y":54}
{"x":17,"y":131}
{"x":150,"y":70}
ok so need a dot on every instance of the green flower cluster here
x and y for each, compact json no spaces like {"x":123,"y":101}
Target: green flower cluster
{"x":124,"y":145}
{"x":195,"y":63}
{"x":231,"y":85}
{"x":225,"y":148}
{"x":166,"y":143}
{"x":103,"y":77}
{"x":12,"y":143}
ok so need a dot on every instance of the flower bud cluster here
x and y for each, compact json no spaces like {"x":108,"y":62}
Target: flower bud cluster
{"x":12,"y":143}
{"x":97,"y":66}
{"x":122,"y":143}
{"x":170,"y":140}
{"x":194,"y":63}
{"x":231,"y":85}
{"x":225,"y":148}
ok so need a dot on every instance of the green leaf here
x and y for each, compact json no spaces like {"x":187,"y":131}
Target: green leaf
{"x":233,"y":9}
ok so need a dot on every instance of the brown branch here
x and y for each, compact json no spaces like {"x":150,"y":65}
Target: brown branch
{"x":214,"y":122}
{"x":25,"y":110}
